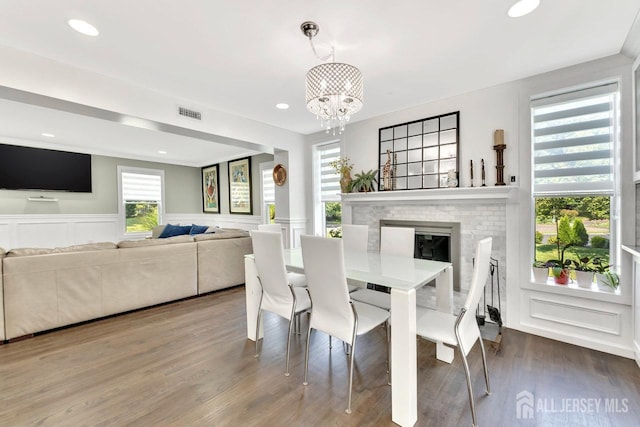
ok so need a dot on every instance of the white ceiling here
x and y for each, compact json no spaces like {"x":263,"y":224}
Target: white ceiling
{"x":244,"y":57}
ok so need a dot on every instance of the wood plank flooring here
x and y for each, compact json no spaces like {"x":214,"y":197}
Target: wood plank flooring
{"x":189,"y":364}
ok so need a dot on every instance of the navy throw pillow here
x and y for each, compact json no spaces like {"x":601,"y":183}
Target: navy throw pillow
{"x":174,"y":230}
{"x":198,"y":229}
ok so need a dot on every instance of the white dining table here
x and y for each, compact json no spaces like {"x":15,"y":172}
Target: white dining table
{"x":404,"y":275}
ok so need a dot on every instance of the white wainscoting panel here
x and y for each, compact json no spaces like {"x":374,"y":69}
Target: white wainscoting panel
{"x":56,"y":230}
{"x":87,"y":231}
{"x":575,"y":315}
{"x":5,"y":235}
{"x":600,"y":325}
{"x":43,"y":234}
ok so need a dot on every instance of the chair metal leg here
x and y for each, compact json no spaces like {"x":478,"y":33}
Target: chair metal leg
{"x":387,"y":330}
{"x":351,"y":357}
{"x":258,"y":325}
{"x":330,"y":342}
{"x":484,"y":364}
{"x":469,"y":389}
{"x":306,"y":357}
{"x":291,"y":321}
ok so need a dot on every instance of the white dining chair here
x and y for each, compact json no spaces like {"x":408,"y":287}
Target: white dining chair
{"x":333,"y":313}
{"x":393,"y":241}
{"x":296,"y":279}
{"x":275,"y":228}
{"x":461,"y":331}
{"x":279,"y":296}
{"x":355,"y":238}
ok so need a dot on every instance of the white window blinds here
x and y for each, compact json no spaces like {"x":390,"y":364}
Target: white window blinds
{"x":573,"y":142}
{"x":141,"y":187}
{"x":329,"y":179}
{"x":268,"y":187}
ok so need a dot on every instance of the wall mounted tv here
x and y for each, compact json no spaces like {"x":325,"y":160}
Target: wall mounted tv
{"x":26,"y":168}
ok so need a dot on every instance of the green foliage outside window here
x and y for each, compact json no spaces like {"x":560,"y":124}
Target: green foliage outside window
{"x":582,"y":223}
{"x":141,"y":216}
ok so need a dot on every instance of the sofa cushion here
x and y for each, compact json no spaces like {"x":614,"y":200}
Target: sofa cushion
{"x":198,"y":229}
{"x":154,"y":242}
{"x":221,"y":234}
{"x":157,"y":231}
{"x":29,"y":252}
{"x":87,"y":247}
{"x":171,"y":230}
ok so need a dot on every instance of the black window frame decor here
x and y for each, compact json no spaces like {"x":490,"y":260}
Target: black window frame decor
{"x":413,"y":145}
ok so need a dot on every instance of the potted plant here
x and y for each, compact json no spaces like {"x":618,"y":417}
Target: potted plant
{"x":607,"y":280}
{"x":364,"y":181}
{"x":343,"y":166}
{"x":560,"y":266}
{"x":584,"y":272}
{"x":540,"y":271}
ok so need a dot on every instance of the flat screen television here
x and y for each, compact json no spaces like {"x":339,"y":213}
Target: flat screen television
{"x":26,"y":168}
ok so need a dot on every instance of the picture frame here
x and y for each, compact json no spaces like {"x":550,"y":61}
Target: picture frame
{"x":240,"y":186}
{"x":211,"y":189}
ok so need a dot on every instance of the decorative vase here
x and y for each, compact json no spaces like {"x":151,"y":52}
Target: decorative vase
{"x":560,"y":275}
{"x":540,"y":274}
{"x":584,"y":278}
{"x":345,"y":183}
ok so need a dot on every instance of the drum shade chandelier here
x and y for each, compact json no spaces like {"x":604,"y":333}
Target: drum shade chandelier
{"x":333,"y":89}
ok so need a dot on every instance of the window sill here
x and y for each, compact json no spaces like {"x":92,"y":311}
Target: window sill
{"x":572,"y":289}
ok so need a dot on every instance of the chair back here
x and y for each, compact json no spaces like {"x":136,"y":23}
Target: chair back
{"x":355,"y":237}
{"x":323,"y":260}
{"x":468,"y":326}
{"x":269,"y":259}
{"x":274,"y":228}
{"x":397,"y":241}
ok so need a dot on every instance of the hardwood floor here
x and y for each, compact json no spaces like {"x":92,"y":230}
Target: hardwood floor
{"x":189,"y":363}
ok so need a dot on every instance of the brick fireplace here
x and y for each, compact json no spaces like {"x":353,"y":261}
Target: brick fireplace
{"x":475,"y":212}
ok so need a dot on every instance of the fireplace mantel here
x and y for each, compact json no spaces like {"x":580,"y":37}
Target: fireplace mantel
{"x":506,"y":193}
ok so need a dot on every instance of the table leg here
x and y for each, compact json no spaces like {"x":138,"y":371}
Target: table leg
{"x":253,"y":292}
{"x":444,"y":299}
{"x":404,"y":369}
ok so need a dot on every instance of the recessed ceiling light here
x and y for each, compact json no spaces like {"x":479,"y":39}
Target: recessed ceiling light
{"x":83,"y":27}
{"x":48,"y":135}
{"x":162,"y":152}
{"x":282,"y":106}
{"x":523,"y":7}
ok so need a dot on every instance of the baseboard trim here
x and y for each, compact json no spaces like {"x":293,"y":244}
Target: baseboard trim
{"x":610,"y":348}
{"x":636,"y":348}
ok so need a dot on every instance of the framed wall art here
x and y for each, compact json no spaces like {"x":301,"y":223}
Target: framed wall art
{"x":240,"y":186}
{"x":211,"y":189}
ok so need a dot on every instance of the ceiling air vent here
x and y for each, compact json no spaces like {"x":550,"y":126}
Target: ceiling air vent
{"x":192,"y":114}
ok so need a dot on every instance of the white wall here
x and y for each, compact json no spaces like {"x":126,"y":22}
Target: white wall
{"x":568,"y":316}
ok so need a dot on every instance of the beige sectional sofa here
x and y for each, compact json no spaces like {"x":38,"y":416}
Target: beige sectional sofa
{"x":49,"y":288}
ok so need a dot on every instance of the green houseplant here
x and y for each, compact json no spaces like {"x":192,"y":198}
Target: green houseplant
{"x":364,"y":181}
{"x":607,"y":280}
{"x":584,"y":271}
{"x":560,"y":266}
{"x":540,"y":271}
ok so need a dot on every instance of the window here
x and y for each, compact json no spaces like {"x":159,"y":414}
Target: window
{"x":330,"y":208}
{"x":268,"y":193}
{"x":141,"y":194}
{"x":575,"y":136}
